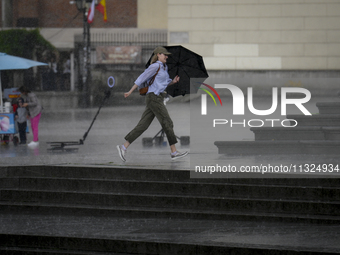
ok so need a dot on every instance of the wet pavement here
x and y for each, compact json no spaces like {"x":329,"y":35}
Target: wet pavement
{"x":113,"y":123}
{"x":99,"y":148}
{"x":109,"y":129}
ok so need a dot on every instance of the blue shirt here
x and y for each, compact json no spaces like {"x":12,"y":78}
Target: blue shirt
{"x":161,"y":81}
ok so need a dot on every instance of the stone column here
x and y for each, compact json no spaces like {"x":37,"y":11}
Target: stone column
{"x":7,"y":13}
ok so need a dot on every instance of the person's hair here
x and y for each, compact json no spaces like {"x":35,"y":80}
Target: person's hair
{"x":24,"y":89}
{"x":21,"y":100}
{"x":154,"y":58}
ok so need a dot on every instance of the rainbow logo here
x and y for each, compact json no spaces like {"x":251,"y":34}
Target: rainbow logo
{"x":211,"y":95}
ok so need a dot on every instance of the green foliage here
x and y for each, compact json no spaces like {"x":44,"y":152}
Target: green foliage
{"x":22,"y":42}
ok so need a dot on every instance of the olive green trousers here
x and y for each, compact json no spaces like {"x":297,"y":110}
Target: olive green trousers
{"x":154,"y":108}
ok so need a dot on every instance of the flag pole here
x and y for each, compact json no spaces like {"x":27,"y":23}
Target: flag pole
{"x":86,"y":77}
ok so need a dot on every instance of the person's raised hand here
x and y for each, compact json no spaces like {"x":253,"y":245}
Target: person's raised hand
{"x":176,"y":79}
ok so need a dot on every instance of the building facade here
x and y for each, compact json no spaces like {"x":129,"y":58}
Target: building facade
{"x":257,"y":38}
{"x":259,"y":34}
{"x":229,"y":34}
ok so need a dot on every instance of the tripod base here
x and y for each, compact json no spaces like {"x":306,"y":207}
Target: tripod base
{"x":60,"y":146}
{"x":158,"y":140}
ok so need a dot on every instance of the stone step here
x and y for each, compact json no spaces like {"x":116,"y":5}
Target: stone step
{"x":288,"y":147}
{"x":287,"y":133}
{"x":169,"y":191}
{"x":324,"y":120}
{"x":161,"y":212}
{"x":115,"y":173}
{"x":259,"y":147}
{"x":195,"y":203}
{"x":49,"y":251}
{"x":135,"y":174}
{"x":331,"y":133}
{"x":329,"y":107}
{"x":288,"y":190}
{"x":65,"y":215}
{"x":84,"y":245}
{"x":296,"y":133}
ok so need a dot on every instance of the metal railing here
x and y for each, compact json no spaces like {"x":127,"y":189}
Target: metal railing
{"x":148,"y":40}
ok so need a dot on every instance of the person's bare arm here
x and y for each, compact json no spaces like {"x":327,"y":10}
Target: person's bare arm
{"x":126,"y":94}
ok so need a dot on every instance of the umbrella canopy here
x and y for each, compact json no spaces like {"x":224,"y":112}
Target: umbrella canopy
{"x":8,"y":62}
{"x":189,"y":66}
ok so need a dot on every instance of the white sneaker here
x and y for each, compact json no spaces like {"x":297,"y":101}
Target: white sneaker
{"x":33,"y":144}
{"x":179,"y":155}
{"x":121,"y":152}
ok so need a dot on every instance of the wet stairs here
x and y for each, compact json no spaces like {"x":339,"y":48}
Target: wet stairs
{"x":155,"y":194}
{"x":318,"y":134}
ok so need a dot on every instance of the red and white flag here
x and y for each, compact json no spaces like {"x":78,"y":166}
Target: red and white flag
{"x":90,"y":14}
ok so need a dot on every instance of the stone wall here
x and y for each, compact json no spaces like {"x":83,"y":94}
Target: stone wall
{"x":152,"y":14}
{"x":321,"y":83}
{"x":259,"y":34}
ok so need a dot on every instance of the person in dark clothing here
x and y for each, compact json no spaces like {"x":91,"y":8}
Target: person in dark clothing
{"x":21,"y":118}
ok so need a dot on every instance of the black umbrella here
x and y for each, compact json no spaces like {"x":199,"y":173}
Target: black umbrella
{"x":189,"y":66}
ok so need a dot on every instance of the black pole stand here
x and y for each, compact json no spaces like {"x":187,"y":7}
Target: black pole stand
{"x":61,"y":145}
{"x":107,"y":95}
{"x":158,"y":139}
